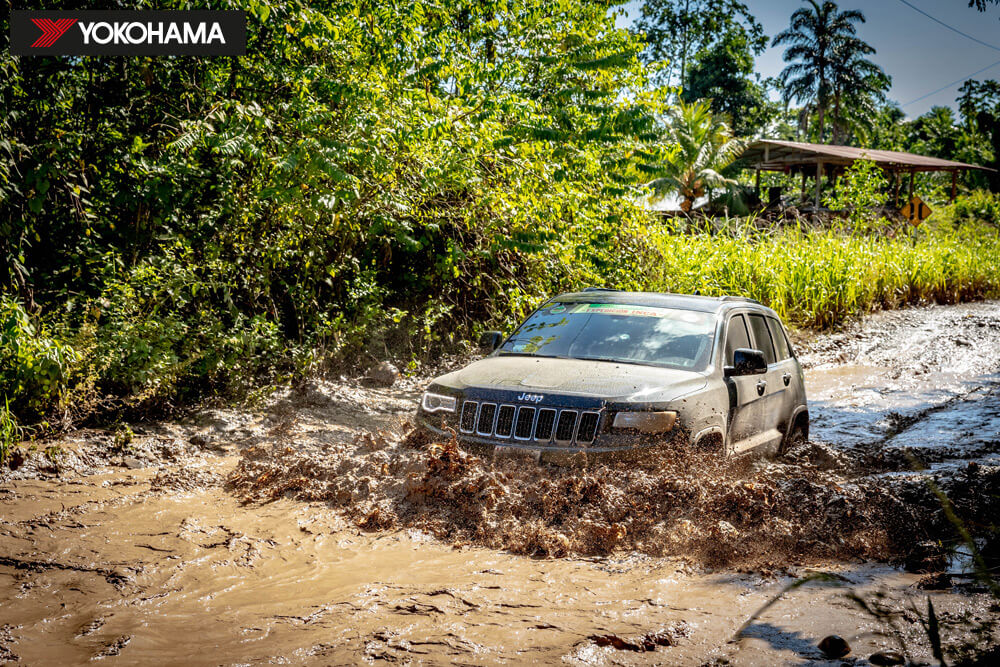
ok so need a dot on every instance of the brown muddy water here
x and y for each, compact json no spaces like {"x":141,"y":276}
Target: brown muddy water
{"x":312,"y":532}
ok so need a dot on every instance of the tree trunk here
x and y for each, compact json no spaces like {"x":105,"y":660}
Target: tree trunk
{"x":684,"y":44}
{"x":836,"y":118}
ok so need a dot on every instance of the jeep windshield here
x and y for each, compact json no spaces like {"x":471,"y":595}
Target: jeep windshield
{"x":616,"y":332}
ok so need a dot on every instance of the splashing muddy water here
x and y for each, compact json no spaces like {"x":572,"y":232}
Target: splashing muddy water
{"x":313,"y":533}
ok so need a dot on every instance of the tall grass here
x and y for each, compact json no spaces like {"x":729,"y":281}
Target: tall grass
{"x":10,"y":432}
{"x":819,"y":278}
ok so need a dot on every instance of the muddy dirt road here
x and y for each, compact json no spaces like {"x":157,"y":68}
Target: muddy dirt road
{"x":310,"y":533}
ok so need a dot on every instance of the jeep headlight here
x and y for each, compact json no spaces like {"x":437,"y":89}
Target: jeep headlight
{"x":433,"y":402}
{"x":646,"y":422}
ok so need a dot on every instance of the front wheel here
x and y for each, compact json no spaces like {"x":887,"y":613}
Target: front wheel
{"x":795,"y":438}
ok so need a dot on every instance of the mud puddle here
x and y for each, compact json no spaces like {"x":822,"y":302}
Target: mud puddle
{"x":923,"y":381}
{"x":314,"y":533}
{"x":193,"y":578}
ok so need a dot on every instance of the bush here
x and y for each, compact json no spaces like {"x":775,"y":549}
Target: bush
{"x":10,"y":432}
{"x":979,"y":206}
{"x":859,"y":192}
{"x":34,"y":367}
{"x":162,"y":332}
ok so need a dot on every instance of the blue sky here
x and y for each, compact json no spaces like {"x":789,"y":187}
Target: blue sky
{"x":919,"y":54}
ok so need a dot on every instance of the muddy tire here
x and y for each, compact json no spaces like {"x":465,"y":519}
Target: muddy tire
{"x":795,"y":437}
{"x":712,"y":443}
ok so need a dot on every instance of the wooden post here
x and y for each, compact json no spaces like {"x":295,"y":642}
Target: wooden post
{"x":954,"y":185}
{"x":895,"y":189}
{"x":802,"y":196}
{"x":756,"y":181}
{"x":819,"y":180}
{"x":911,"y":185}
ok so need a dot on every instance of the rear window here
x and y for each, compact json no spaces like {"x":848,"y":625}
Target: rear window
{"x":781,"y":347}
{"x":616,"y":332}
{"x":762,"y":337}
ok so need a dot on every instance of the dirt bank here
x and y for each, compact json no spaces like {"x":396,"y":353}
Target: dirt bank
{"x":312,"y":532}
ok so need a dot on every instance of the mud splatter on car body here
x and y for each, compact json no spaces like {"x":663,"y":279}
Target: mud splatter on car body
{"x":605,"y":373}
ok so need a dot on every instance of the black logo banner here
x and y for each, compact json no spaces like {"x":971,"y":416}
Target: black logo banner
{"x":128,"y":33}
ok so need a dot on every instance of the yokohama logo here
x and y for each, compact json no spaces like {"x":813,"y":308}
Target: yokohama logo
{"x":128,"y":33}
{"x":51,"y":31}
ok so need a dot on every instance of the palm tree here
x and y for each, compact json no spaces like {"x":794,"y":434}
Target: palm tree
{"x":824,"y":54}
{"x":859,"y":87}
{"x":701,"y":145}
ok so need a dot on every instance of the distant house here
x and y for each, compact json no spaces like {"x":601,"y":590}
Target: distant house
{"x":817,"y":160}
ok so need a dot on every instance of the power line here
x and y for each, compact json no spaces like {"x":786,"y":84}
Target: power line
{"x":952,"y":28}
{"x":953,"y":83}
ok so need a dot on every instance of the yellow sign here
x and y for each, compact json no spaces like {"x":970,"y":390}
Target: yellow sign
{"x":916,"y":211}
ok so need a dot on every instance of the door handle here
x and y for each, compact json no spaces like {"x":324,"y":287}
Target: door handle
{"x":786,"y":378}
{"x":761,"y":386}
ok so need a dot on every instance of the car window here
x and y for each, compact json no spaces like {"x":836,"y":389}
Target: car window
{"x":762,"y":337}
{"x":736,"y":337}
{"x":617,"y":332}
{"x":780,"y":341}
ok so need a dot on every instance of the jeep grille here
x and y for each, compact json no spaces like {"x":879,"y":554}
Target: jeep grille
{"x":564,"y":426}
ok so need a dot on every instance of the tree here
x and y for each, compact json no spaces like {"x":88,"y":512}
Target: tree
{"x":390,"y":170}
{"x":724,"y":74}
{"x":676,"y":30}
{"x":979,"y":103}
{"x":700,"y":146}
{"x":859,"y":87}
{"x":824,"y":54}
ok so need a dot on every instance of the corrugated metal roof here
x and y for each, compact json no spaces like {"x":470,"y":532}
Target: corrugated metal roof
{"x":774,"y":154}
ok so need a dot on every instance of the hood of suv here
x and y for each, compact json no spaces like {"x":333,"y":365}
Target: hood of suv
{"x":603,"y":379}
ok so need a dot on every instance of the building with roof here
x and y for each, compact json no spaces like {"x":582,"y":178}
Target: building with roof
{"x":793,"y":157}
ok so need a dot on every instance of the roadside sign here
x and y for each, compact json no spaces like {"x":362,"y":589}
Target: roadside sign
{"x":916,"y":211}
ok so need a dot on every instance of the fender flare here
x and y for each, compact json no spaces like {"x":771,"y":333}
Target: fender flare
{"x":708,"y":431}
{"x":795,"y":415}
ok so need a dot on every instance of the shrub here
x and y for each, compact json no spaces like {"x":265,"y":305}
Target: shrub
{"x":978,"y":206}
{"x":164,"y":331}
{"x":859,"y":192}
{"x":10,"y":432}
{"x":34,"y":367}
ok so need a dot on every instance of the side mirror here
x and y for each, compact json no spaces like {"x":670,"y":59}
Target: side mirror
{"x":490,"y":341}
{"x":746,"y":362}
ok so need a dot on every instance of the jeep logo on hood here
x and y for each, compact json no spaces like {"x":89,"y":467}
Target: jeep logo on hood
{"x":531,"y":398}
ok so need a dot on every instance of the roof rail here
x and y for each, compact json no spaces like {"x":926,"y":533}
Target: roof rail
{"x":600,"y":289}
{"x":741,"y":298}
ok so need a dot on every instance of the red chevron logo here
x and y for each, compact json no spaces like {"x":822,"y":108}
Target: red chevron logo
{"x":51,"y":30}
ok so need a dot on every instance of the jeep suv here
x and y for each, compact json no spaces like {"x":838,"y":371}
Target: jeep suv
{"x":604,"y":372}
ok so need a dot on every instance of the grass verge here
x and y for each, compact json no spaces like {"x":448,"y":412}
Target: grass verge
{"x":818,"y":279}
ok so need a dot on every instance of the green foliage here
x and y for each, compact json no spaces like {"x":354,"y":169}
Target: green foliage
{"x":370,"y":177}
{"x":824,"y":277}
{"x":676,"y":30}
{"x":701,"y":145}
{"x":859,"y":192}
{"x":979,"y":102}
{"x":979,"y":206}
{"x":11,"y":433}
{"x":724,"y":75}
{"x":33,"y":365}
{"x":828,"y":67}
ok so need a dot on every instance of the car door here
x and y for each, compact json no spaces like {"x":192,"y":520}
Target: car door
{"x":793,"y":393}
{"x":771,"y":386}
{"x":746,"y":406}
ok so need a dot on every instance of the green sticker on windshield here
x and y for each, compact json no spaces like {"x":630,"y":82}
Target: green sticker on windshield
{"x":621,"y":309}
